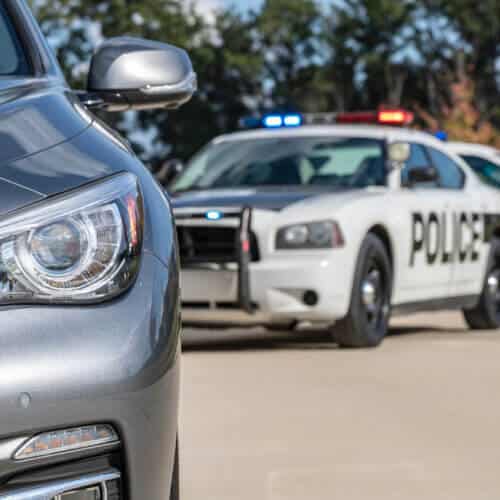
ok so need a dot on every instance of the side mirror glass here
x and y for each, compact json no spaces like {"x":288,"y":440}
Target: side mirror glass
{"x":423,"y":176}
{"x":399,"y":152}
{"x":170,"y":170}
{"x":131,"y":73}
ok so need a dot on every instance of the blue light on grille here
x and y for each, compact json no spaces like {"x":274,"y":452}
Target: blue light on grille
{"x":214,"y":215}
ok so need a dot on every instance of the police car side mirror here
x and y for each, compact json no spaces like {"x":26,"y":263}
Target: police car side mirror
{"x":132,"y":73}
{"x":422,"y":175}
{"x":399,"y":152}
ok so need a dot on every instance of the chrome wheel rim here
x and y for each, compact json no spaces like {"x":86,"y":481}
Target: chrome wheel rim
{"x":374,"y":295}
{"x":493,"y":287}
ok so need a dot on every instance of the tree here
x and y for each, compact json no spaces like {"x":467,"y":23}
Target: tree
{"x":366,"y":57}
{"x":298,"y":55}
{"x":478,"y":25}
{"x":288,"y":37}
{"x":223,"y":54}
{"x":461,"y":118}
{"x":229,"y":68}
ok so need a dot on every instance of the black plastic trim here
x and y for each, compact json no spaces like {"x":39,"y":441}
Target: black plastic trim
{"x":449,"y":303}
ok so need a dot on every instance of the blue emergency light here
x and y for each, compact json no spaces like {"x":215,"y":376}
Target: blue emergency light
{"x":282,"y":120}
{"x":292,"y":120}
{"x":272,"y":121}
{"x":441,"y":135}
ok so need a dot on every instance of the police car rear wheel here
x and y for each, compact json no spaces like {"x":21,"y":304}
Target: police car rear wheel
{"x":367,"y":320}
{"x":486,"y":315}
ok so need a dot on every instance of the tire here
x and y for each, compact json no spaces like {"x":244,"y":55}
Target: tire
{"x":174,"y":487}
{"x":367,"y":320}
{"x":486,"y":314}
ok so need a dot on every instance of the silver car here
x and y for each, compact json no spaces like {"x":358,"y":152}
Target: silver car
{"x":89,"y":288}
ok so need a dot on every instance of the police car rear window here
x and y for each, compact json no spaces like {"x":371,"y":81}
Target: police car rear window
{"x":488,"y":171}
{"x":336,"y":162}
{"x":13,"y":61}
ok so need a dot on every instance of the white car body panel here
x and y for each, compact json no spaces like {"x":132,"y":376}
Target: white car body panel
{"x":280,"y":278}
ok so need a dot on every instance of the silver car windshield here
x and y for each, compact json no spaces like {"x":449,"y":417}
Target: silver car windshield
{"x":13,"y":61}
{"x":289,"y":161}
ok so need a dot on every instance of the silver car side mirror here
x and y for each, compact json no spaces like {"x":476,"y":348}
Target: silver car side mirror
{"x":132,"y":73}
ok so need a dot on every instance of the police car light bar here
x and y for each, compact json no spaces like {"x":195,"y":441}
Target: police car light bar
{"x":381,"y":117}
{"x":399,"y":117}
{"x":357,"y":117}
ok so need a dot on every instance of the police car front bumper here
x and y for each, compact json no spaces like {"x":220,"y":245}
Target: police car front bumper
{"x":282,"y":289}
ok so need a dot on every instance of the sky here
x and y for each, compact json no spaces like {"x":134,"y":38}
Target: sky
{"x":209,"y":5}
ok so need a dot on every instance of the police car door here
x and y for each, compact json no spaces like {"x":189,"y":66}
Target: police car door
{"x":426,"y":242}
{"x":467,"y":249}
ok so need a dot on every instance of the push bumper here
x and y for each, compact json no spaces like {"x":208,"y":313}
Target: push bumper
{"x":115,"y":363}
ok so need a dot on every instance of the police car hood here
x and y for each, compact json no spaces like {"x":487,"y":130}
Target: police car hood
{"x":286,"y":198}
{"x":264,"y":198}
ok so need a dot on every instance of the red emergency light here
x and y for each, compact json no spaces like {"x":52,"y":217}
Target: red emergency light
{"x":356,"y":117}
{"x":394,"y":117}
{"x":382,"y":117}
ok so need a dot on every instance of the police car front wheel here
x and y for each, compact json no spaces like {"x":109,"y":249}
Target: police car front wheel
{"x":367,"y":320}
{"x":486,"y":314}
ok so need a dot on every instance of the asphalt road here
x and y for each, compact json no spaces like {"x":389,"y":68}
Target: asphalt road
{"x":274,"y":417}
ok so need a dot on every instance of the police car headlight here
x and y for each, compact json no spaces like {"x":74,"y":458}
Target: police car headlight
{"x":82,"y":246}
{"x":314,"y":235}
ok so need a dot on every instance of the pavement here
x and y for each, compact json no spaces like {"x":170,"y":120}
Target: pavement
{"x":290,"y":416}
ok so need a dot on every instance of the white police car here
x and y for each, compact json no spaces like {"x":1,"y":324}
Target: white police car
{"x":484,"y":160}
{"x":337,"y":224}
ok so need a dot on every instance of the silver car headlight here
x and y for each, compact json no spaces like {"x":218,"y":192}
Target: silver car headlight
{"x":82,"y":246}
{"x":313,"y":235}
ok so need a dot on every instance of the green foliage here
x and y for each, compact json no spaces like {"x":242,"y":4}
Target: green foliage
{"x":296,"y":54}
{"x":288,"y":38}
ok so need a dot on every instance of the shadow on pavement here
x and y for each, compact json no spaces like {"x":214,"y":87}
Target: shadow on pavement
{"x":216,"y":340}
{"x":254,"y":339}
{"x":423,"y":330}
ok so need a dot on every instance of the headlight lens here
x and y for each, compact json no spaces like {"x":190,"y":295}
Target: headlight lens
{"x":78,"y":247}
{"x":314,"y":235}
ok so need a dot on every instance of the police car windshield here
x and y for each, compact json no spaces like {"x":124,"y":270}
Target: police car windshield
{"x":287,"y":161}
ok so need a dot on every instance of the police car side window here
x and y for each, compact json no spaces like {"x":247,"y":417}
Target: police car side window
{"x":451,"y":175}
{"x":418,"y":158}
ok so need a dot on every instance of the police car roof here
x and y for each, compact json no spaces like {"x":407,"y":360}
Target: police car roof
{"x":472,"y":148}
{"x":366,"y":131}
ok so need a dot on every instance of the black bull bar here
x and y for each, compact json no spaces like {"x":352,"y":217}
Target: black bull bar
{"x":242,"y":254}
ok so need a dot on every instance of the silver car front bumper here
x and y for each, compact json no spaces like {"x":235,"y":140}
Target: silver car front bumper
{"x":58,"y":490}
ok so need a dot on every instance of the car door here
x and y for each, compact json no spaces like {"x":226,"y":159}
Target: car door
{"x":424,"y":239}
{"x":465,"y":225}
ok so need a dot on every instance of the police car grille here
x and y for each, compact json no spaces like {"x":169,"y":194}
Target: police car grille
{"x":211,"y":245}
